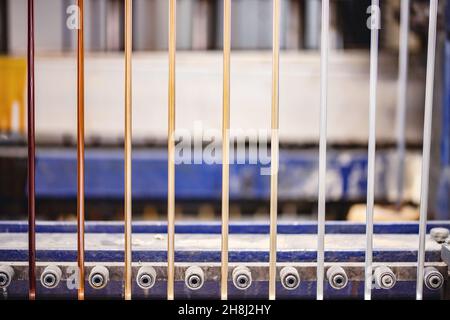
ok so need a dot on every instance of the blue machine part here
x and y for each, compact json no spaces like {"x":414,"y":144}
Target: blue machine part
{"x":104,"y":247}
{"x":245,"y":227}
{"x":294,"y":254}
{"x":56,"y":176}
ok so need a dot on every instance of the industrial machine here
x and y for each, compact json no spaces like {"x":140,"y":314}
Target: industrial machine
{"x":78,"y":159}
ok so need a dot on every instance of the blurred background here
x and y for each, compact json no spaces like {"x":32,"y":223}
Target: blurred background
{"x":199,"y":100}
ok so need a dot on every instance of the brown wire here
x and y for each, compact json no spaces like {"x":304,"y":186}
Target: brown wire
{"x":80,"y":150}
{"x":31,"y":158}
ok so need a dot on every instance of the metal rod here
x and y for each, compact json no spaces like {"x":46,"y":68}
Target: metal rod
{"x":225,"y":145}
{"x":31,"y":158}
{"x":274,"y":152}
{"x":324,"y":48}
{"x":80,"y":151}
{"x":371,"y":146}
{"x":426,"y":145}
{"x":171,"y":155}
{"x":128,"y":140}
{"x":401,"y":97}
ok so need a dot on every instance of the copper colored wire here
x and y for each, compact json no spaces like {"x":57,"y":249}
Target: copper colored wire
{"x":80,"y":151}
{"x":31,"y":158}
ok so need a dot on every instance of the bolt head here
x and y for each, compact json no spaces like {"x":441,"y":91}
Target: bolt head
{"x":3,"y":279}
{"x":439,"y":234}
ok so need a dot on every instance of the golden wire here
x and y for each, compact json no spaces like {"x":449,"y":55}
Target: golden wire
{"x":128,"y":140}
{"x":274,"y":152}
{"x":225,"y":145}
{"x":171,"y":155}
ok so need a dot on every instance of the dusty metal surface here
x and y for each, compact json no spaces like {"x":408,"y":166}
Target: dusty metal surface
{"x":205,"y":242}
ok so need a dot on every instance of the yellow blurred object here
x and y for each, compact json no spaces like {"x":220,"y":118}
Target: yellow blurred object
{"x":12,"y":90}
{"x":357,"y":213}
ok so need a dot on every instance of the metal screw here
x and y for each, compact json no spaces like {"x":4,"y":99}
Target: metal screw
{"x":146,"y":277}
{"x":384,"y":277}
{"x":6,"y":276}
{"x":99,"y":277}
{"x":433,"y":278}
{"x":439,"y":234}
{"x":51,"y":277}
{"x":194,"y":278}
{"x":290,"y":278}
{"x":337,"y":277}
{"x":242,"y":277}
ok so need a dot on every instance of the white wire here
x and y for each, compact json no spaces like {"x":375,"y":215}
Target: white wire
{"x":371,"y":147}
{"x":426,"y":145}
{"x":322,"y":148}
{"x":401,"y":97}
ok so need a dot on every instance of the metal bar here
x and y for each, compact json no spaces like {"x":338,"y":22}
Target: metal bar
{"x":171,"y":155}
{"x":31,"y":158}
{"x":80,"y":151}
{"x":426,"y":145}
{"x":236,"y":227}
{"x":405,"y":271}
{"x":324,"y":48}
{"x":225,"y":145}
{"x":401,"y":97}
{"x":274,"y":151}
{"x":128,"y":139}
{"x":375,"y":24}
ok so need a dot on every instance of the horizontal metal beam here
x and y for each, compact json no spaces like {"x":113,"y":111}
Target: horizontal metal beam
{"x":331,"y":227}
{"x":404,"y":272}
{"x":56,"y":175}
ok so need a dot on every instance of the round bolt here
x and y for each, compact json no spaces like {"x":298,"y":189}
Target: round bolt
{"x":194,"y":278}
{"x":439,"y":234}
{"x":51,"y":276}
{"x":242,"y":277}
{"x":433,"y":278}
{"x":337,"y":277}
{"x":146,"y":277}
{"x":6,"y":276}
{"x":99,"y":277}
{"x":384,"y":277}
{"x":290,"y":278}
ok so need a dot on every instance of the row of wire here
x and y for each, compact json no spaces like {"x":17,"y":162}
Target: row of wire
{"x":374,"y":24}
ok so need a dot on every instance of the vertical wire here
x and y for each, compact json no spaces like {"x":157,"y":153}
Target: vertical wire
{"x":401,"y":98}
{"x":426,"y":145}
{"x":80,"y":151}
{"x":371,"y":147}
{"x":31,"y":157}
{"x":225,"y":145}
{"x":171,"y":155}
{"x":322,"y":148}
{"x":128,"y":140}
{"x":274,"y":152}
